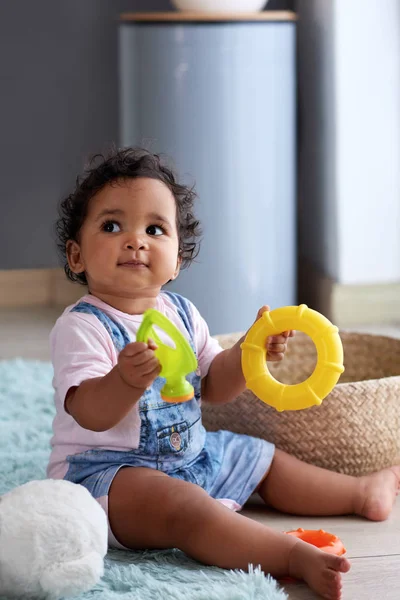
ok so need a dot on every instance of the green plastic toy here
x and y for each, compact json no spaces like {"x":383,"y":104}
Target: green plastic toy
{"x":176,"y":362}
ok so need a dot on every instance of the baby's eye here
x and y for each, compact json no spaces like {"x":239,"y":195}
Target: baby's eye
{"x":108,"y":226}
{"x":154,"y":230}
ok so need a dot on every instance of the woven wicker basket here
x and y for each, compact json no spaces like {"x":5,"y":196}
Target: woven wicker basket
{"x":356,"y":430}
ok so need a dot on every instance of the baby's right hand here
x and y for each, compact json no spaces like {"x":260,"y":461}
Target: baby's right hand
{"x":138,"y":365}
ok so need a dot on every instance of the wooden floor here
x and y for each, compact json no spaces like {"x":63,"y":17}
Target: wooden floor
{"x":373,"y":548}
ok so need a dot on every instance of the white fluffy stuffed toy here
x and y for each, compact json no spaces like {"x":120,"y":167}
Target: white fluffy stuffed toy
{"x":53,"y":539}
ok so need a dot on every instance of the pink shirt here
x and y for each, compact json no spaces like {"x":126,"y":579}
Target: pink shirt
{"x":81,"y":349}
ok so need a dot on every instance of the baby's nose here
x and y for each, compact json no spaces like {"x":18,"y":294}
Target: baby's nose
{"x":135,"y":242}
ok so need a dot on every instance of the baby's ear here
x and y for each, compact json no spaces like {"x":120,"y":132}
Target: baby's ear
{"x":74,"y":256}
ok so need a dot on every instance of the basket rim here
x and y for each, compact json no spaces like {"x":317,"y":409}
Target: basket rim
{"x":375,"y":379}
{"x":341,"y":330}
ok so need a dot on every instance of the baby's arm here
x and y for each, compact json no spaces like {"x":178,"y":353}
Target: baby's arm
{"x":101,"y":403}
{"x":224,"y":380}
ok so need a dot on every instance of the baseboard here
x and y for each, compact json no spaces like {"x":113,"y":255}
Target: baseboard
{"x":344,"y":305}
{"x":348,"y":305}
{"x":37,"y":287}
{"x":366,"y":304}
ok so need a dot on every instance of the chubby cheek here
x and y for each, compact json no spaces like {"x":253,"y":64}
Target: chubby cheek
{"x":164,"y":254}
{"x":101,"y":256}
{"x":169,"y":264}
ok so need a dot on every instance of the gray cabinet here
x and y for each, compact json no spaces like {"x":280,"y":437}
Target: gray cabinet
{"x":217,"y":95}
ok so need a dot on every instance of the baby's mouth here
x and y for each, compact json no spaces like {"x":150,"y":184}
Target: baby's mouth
{"x":133,"y":264}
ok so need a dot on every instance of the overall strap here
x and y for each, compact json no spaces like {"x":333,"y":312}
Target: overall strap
{"x":117,"y":331}
{"x":184,"y":311}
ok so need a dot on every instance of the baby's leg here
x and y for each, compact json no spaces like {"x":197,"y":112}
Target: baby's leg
{"x":296,"y":487}
{"x":148,"y":509}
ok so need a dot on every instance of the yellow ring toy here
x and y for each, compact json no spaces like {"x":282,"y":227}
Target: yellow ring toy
{"x":326,"y":374}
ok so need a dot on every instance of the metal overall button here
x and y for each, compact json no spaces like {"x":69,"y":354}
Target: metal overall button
{"x":173,"y":439}
{"x":176,"y":440}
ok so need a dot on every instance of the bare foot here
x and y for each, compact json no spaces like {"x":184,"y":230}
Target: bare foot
{"x":377,"y":493}
{"x":320,"y":570}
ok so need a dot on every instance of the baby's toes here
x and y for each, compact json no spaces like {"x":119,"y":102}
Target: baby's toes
{"x":333,"y":585}
{"x":338,"y":563}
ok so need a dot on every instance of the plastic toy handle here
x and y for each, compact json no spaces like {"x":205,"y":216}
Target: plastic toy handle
{"x":176,"y":362}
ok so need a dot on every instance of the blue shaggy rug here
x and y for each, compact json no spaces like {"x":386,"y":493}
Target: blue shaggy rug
{"x":26,"y":413}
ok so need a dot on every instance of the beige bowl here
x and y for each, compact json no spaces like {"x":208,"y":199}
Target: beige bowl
{"x":218,"y":6}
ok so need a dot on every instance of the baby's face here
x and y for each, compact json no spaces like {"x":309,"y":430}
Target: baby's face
{"x":129,"y":240}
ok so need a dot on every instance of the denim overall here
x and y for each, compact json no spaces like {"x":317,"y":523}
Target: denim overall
{"x":172,"y":437}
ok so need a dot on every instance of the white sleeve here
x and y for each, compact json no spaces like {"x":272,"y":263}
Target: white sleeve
{"x":81,"y":349}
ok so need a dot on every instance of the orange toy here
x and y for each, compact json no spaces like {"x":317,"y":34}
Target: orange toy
{"x":321,"y":539}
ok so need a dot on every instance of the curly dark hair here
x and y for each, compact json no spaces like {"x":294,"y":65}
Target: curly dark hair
{"x":120,"y":164}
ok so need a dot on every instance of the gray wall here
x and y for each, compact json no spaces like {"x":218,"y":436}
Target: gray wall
{"x":58,"y":104}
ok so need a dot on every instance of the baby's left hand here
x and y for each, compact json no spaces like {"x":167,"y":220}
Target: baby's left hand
{"x":276,"y":344}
